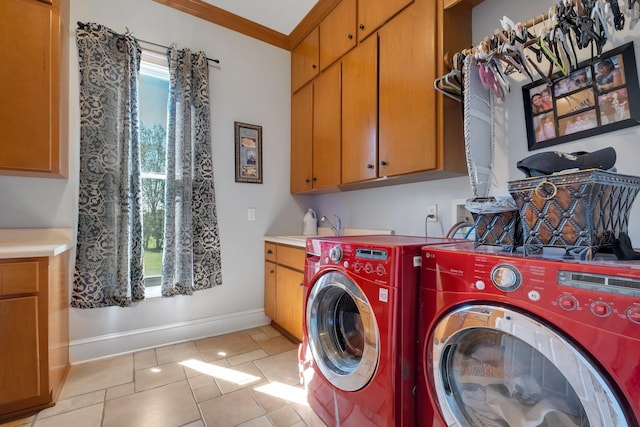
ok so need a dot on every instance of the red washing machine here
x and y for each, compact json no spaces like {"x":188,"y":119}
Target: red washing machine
{"x":357,"y":357}
{"x":508,"y":340}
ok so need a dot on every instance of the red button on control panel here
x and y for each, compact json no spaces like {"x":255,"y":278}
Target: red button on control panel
{"x":600,"y":308}
{"x":633,"y":314}
{"x":567,"y":302}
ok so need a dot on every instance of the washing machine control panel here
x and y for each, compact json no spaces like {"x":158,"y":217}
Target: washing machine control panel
{"x":364,"y":261}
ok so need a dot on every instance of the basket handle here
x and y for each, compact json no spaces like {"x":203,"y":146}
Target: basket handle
{"x":540,"y":194}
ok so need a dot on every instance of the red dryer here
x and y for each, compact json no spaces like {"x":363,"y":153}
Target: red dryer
{"x":509,"y":340}
{"x":357,"y":358}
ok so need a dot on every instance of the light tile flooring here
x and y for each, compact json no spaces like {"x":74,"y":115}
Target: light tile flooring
{"x":248,"y":378}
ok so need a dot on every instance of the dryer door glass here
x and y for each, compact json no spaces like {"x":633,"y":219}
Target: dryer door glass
{"x":342,"y":332}
{"x":496,"y":367}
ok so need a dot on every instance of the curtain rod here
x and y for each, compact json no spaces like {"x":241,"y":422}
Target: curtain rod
{"x":84,"y":26}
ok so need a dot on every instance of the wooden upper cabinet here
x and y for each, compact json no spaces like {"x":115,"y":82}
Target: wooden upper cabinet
{"x":326,"y":129}
{"x":30,"y":141}
{"x":305,"y":60}
{"x":315,"y":134}
{"x":302,"y":140}
{"x":407,"y":102}
{"x":360,"y":113}
{"x":373,"y":13}
{"x":337,"y":33}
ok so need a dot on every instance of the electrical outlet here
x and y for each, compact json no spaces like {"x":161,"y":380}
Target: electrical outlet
{"x":460,"y":212}
{"x":432,"y":213}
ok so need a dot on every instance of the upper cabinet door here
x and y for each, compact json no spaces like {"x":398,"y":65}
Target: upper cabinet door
{"x":304,"y":60}
{"x":407,"y":102}
{"x":337,"y":33}
{"x":326,"y":129}
{"x":30,"y":85}
{"x":302,"y":139}
{"x":373,"y":13}
{"x":360,"y":113}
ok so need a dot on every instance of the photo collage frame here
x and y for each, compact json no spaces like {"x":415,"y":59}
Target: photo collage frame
{"x":600,"y":95}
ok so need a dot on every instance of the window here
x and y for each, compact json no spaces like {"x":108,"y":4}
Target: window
{"x":153,"y":93}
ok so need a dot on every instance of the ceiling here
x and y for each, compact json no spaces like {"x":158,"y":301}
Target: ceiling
{"x":279,"y":15}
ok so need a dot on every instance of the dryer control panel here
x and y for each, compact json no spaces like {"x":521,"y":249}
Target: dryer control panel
{"x":603,"y":293}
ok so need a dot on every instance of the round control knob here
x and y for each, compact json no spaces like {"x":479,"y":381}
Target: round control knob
{"x":534,"y":295}
{"x":506,"y":277}
{"x":633,"y":314}
{"x":600,"y":308}
{"x":368,"y":268}
{"x":567,"y":302}
{"x":480,"y":285}
{"x":335,"y":254}
{"x":380,"y":270}
{"x":357,"y":267}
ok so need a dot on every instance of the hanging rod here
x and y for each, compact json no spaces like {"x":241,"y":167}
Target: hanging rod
{"x":530,"y":23}
{"x":84,"y":26}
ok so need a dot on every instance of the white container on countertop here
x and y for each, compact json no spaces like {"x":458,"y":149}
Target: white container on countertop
{"x":310,"y":223}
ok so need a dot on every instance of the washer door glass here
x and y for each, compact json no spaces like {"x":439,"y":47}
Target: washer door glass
{"x":497,"y":367}
{"x":342,"y":331}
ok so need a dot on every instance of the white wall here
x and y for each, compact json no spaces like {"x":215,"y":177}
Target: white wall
{"x":403,"y":208}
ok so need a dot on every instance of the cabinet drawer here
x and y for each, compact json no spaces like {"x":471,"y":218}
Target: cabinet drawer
{"x":270,"y":251}
{"x":19,"y":277}
{"x":291,"y":257}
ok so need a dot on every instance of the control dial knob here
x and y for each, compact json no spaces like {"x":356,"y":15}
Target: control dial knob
{"x":335,"y":254}
{"x":506,"y":277}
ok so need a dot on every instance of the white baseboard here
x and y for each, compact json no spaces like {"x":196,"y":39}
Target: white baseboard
{"x":105,"y":346}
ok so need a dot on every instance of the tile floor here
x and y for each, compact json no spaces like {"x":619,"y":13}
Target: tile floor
{"x":248,"y":379}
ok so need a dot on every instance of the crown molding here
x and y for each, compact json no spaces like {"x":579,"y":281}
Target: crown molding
{"x":228,"y":20}
{"x":237,"y":23}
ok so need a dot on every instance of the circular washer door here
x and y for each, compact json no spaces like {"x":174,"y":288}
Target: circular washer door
{"x":342,"y":332}
{"x":493,"y":366}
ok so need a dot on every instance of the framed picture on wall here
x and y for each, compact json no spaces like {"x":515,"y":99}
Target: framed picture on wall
{"x":248,"y":153}
{"x":600,"y":95}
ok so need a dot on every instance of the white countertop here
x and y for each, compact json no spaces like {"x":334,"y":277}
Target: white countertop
{"x":34,"y":242}
{"x":300,"y":241}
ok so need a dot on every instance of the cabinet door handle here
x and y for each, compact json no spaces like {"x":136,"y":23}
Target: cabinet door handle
{"x":350,"y":36}
{"x":362,"y":26}
{"x":272,"y":271}
{"x":315,"y":179}
{"x":314,"y":66}
{"x":369,"y":166}
{"x":301,"y":283}
{"x":384,"y":163}
{"x":307,"y":180}
{"x":269,"y":251}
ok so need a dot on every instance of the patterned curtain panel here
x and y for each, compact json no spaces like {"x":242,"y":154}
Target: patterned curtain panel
{"x":191,"y":257}
{"x":109,"y":249}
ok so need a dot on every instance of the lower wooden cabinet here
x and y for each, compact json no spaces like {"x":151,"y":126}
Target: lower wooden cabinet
{"x":283,"y":287}
{"x":34,"y":332}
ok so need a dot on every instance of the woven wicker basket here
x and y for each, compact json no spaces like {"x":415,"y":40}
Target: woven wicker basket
{"x":581,"y":212}
{"x":498,"y":229}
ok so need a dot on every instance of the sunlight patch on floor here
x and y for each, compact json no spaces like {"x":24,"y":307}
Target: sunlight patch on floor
{"x":231,"y":375}
{"x":285,"y":392}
